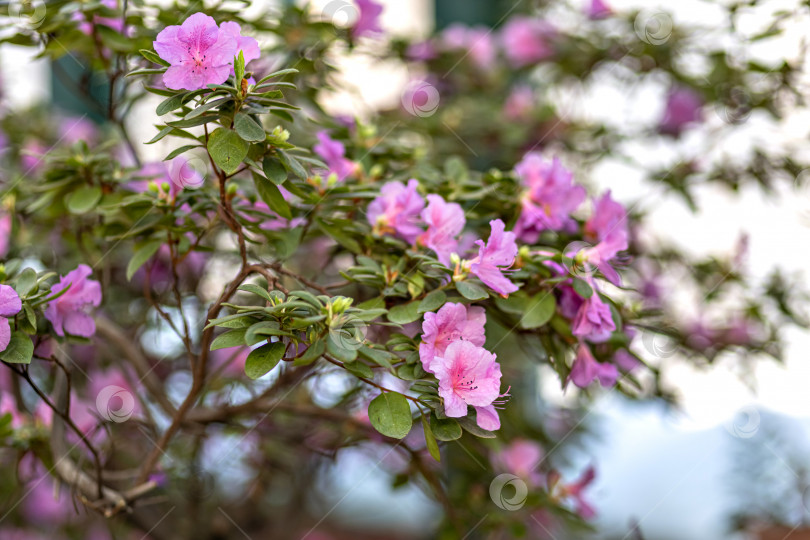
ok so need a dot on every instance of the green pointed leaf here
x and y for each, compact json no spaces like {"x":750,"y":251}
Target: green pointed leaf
{"x":20,"y":349}
{"x":539,"y":310}
{"x":25,"y":282}
{"x":432,"y":301}
{"x":248,"y":128}
{"x":271,"y":195}
{"x":390,"y":414}
{"x":255,"y":289}
{"x":83,"y":199}
{"x":404,"y":313}
{"x":260,"y":361}
{"x":227,"y":149}
{"x":170,"y":104}
{"x":177,"y":151}
{"x":470,"y":426}
{"x":312,"y":353}
{"x":447,"y":429}
{"x":359,"y":369}
{"x":582,"y":288}
{"x":274,"y":171}
{"x":430,"y":440}
{"x":141,"y":255}
{"x":231,"y":338}
{"x":471,"y":291}
{"x":153,"y":57}
{"x":292,"y":164}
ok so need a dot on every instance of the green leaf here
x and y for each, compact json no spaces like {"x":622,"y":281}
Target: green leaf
{"x":239,"y":69}
{"x":20,"y":349}
{"x":471,"y":291}
{"x":446,"y":429}
{"x":207,"y":107}
{"x":515,"y":303}
{"x":339,"y":350}
{"x":359,"y":369}
{"x":170,"y":104}
{"x":430,"y":440}
{"x":279,"y":73}
{"x":83,"y":199}
{"x":271,"y":195}
{"x":153,"y":57}
{"x":113,"y":39}
{"x":470,"y":426}
{"x":227,"y":149}
{"x":231,"y":338}
{"x":255,"y":289}
{"x":582,"y":288}
{"x":390,"y":414}
{"x":25,"y":282}
{"x":141,"y":255}
{"x":292,"y":164}
{"x":163,"y":132}
{"x":260,"y":361}
{"x":539,"y":310}
{"x":404,"y":313}
{"x":274,"y":171}
{"x":177,"y":151}
{"x":248,"y":128}
{"x":312,"y":353}
{"x":432,"y":301}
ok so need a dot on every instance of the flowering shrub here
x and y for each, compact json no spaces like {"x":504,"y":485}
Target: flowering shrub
{"x":277,"y":250}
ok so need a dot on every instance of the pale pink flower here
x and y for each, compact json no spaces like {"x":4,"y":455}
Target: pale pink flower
{"x":453,"y":322}
{"x":397,"y":209}
{"x":586,"y":369}
{"x":493,"y":257}
{"x":68,"y":313}
{"x":445,"y":221}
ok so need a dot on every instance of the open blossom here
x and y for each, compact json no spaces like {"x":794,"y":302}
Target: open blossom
{"x":608,"y":227}
{"x":550,"y":199}
{"x":594,"y":320}
{"x":527,"y":40}
{"x":368,"y":20}
{"x":493,"y":257}
{"x":333,"y":154}
{"x":445,"y":221}
{"x":599,"y":10}
{"x":586,"y":369}
{"x":476,"y":41}
{"x":521,"y":458}
{"x":68,"y":313}
{"x":248,"y":46}
{"x":10,"y":305}
{"x":5,"y":232}
{"x":469,"y":375}
{"x":453,"y":322}
{"x":683,"y":108}
{"x":199,"y":52}
{"x":397,"y":210}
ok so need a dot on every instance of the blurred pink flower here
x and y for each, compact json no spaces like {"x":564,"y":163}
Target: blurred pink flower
{"x":368,"y":20}
{"x":586,"y":369}
{"x":469,"y":375}
{"x":494,"y":257}
{"x":683,"y":108}
{"x":453,"y":322}
{"x":521,"y":458}
{"x":397,"y":210}
{"x":68,"y":313}
{"x":476,"y":41}
{"x":10,"y":305}
{"x":599,"y":10}
{"x":520,"y":103}
{"x":594,"y":320}
{"x":445,"y":221}
{"x":333,"y":154}
{"x":550,"y":199}
{"x":527,"y":40}
{"x":199,"y":53}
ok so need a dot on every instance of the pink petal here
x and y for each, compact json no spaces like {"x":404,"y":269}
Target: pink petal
{"x":487,"y":418}
{"x":5,"y":333}
{"x":10,"y":303}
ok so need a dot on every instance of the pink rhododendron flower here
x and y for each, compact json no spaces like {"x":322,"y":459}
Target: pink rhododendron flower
{"x":368,"y":20}
{"x":477,"y":41}
{"x":397,"y":209}
{"x":626,"y":361}
{"x":594,"y":320}
{"x":575,"y":491}
{"x":550,"y":199}
{"x":421,"y":51}
{"x":86,"y":27}
{"x":333,"y":154}
{"x":520,"y":103}
{"x":453,"y":322}
{"x":248,"y":46}
{"x":5,"y":232}
{"x":469,"y":375}
{"x":445,"y":222}
{"x":683,"y":108}
{"x":32,"y":156}
{"x":527,"y":40}
{"x":521,"y":458}
{"x":10,"y":305}
{"x":68,"y":313}
{"x":599,"y":10}
{"x":609,"y":219}
{"x":199,"y":53}
{"x":586,"y":369}
{"x":497,"y":254}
